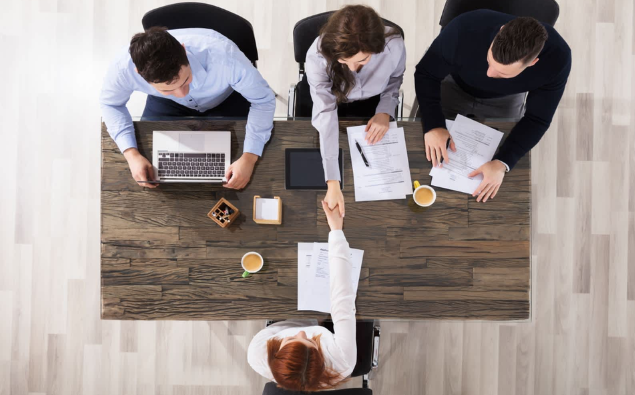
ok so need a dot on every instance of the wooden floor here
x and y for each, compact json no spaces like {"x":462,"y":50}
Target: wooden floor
{"x":581,"y":339}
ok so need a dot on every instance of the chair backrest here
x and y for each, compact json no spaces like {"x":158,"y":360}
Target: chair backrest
{"x":199,"y":15}
{"x":307,"y":30}
{"x":272,"y":389}
{"x":545,"y":11}
{"x":364,"y":336}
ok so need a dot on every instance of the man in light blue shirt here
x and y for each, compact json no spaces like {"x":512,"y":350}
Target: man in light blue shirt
{"x":186,"y":72}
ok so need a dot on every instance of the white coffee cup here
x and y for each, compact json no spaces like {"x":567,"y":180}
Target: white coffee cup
{"x":247,"y":271}
{"x":418,"y":187}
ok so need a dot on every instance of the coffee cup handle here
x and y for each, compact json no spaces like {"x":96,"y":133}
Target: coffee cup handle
{"x":245,"y":274}
{"x":417,"y":185}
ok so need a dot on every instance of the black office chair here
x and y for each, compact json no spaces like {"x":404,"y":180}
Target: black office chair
{"x":305,"y":32}
{"x":546,"y":11}
{"x":199,"y":15}
{"x":271,"y":388}
{"x":368,"y":333}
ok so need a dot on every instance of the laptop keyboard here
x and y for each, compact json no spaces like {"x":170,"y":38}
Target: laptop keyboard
{"x":186,"y":165}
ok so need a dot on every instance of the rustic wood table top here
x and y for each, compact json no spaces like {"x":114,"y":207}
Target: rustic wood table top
{"x":163,"y":258}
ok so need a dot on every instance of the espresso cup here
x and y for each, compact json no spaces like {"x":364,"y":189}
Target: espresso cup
{"x":419,"y":187}
{"x":251,"y":262}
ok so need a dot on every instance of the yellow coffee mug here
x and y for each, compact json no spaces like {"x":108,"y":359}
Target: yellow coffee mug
{"x":419,"y":187}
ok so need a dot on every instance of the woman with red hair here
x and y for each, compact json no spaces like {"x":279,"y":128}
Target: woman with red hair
{"x":302,"y":356}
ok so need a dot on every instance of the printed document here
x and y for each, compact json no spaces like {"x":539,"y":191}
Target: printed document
{"x":314,"y":290}
{"x":475,"y":145}
{"x":388,"y":174}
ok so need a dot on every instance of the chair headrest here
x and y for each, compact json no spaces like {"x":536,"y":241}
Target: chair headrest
{"x":206,"y":16}
{"x":546,"y":11}
{"x":307,"y":30}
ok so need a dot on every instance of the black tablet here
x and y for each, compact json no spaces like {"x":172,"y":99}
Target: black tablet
{"x":303,"y":169}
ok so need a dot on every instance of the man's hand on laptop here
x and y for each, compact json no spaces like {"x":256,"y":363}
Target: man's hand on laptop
{"x":239,"y":173}
{"x":140,"y":167}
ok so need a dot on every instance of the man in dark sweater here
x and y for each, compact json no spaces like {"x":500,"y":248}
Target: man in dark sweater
{"x":481,"y":64}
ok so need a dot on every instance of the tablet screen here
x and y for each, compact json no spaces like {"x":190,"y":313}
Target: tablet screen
{"x":303,"y":169}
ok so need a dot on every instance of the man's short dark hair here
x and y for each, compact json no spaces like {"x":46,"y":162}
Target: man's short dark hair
{"x":157,"y":55}
{"x":521,"y":39}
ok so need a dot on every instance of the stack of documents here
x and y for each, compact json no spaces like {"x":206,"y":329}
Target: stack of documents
{"x":475,"y":145}
{"x":388,"y":174}
{"x":314,"y":290}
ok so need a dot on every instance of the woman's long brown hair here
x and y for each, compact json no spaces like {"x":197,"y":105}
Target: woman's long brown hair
{"x":297,"y":367}
{"x":350,"y":30}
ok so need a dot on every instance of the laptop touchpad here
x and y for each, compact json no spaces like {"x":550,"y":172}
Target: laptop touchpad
{"x":191,"y":142}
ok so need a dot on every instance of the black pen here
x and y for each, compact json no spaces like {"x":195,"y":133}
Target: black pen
{"x":359,"y":148}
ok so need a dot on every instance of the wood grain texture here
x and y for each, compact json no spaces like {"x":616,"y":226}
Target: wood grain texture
{"x":164,"y":259}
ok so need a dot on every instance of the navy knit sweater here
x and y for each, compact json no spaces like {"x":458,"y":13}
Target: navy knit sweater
{"x":461,"y":50}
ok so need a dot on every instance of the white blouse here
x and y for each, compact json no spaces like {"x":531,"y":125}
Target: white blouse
{"x":339,"y":348}
{"x":382,"y":75}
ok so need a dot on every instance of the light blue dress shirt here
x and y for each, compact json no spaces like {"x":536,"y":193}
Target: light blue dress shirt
{"x":218,"y":68}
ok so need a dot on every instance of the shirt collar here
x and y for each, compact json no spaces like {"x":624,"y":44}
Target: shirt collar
{"x":198,"y":72}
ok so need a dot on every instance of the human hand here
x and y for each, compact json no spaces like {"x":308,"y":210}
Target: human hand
{"x":493,"y":174}
{"x":377,"y":127}
{"x":334,"y":219}
{"x":238,"y":173}
{"x":140,"y":168}
{"x":334,"y":197}
{"x":435,"y":141}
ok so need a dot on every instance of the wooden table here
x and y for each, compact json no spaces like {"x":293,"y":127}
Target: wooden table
{"x":162,"y":258}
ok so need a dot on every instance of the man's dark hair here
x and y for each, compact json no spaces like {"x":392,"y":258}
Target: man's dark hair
{"x":521,"y":39}
{"x":157,"y":55}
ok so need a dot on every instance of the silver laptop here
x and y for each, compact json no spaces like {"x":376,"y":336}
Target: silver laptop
{"x":191,"y":156}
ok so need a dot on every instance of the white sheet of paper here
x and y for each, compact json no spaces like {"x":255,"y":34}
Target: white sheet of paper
{"x":305,"y":251}
{"x":267,"y":209}
{"x":408,"y":187}
{"x":455,"y":182}
{"x":475,"y":144}
{"x":314,"y":290}
{"x":388,"y":176}
{"x":317,"y":293}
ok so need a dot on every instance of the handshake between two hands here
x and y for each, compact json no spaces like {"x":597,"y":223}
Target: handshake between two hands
{"x":238,"y":173}
{"x":376,"y":129}
{"x":436,"y":143}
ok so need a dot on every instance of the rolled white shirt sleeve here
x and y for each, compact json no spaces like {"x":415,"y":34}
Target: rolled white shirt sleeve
{"x":115,"y":93}
{"x":324,"y":117}
{"x":389,"y":98}
{"x":342,"y":297}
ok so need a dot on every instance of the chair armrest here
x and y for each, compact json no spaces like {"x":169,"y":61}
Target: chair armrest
{"x":375,"y":362}
{"x":400,"y":105}
{"x":415,"y":109}
{"x":291,"y":102}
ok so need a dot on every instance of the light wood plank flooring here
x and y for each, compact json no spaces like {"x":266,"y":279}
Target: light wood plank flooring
{"x":580,"y":341}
